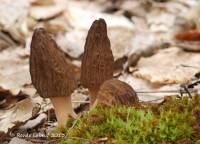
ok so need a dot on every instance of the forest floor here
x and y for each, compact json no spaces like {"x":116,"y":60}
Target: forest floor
{"x":155,"y":44}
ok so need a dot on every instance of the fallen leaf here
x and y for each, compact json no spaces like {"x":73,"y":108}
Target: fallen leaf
{"x":23,"y":111}
{"x":13,"y":15}
{"x":46,"y":12}
{"x":16,"y":116}
{"x":31,"y":124}
{"x":14,"y":71}
{"x":147,"y":91}
{"x":169,"y":66}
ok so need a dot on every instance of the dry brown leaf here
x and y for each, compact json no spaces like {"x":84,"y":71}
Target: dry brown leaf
{"x":188,"y":36}
{"x":169,"y":66}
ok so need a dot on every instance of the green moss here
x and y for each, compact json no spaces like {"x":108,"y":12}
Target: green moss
{"x":173,"y":120}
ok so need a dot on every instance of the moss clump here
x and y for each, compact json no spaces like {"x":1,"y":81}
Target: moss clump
{"x":172,"y":121}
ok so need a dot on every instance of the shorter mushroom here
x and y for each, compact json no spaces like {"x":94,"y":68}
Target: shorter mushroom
{"x":51,"y":74}
{"x":116,"y":92}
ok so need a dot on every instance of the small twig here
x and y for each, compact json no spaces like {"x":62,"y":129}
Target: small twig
{"x":52,"y":141}
{"x":195,"y":67}
{"x":78,"y":138}
{"x":104,"y":139}
{"x":168,"y":91}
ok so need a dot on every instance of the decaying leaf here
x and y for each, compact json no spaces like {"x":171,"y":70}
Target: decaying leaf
{"x":14,"y":72}
{"x":46,"y":12}
{"x":147,"y":91}
{"x":169,"y":66}
{"x":13,"y":15}
{"x":34,"y":122}
{"x":23,"y":111}
{"x":16,"y":116}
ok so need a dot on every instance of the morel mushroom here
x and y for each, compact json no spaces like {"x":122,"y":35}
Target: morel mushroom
{"x":98,"y":61}
{"x":51,"y":74}
{"x":116,"y":92}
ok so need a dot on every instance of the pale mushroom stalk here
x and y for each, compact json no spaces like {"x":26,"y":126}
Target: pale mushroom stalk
{"x":52,"y":75}
{"x":98,"y":62}
{"x":93,"y":94}
{"x":63,"y":109}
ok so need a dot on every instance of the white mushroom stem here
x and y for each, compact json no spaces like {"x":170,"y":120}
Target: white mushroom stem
{"x":63,"y":109}
{"x":93,"y":97}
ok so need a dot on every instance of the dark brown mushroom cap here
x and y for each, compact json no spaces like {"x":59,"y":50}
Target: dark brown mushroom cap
{"x":50,"y":72}
{"x":98,"y":61}
{"x":116,"y":92}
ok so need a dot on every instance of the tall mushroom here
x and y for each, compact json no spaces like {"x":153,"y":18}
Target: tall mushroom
{"x":98,"y":61}
{"x":51,"y":74}
{"x":116,"y":92}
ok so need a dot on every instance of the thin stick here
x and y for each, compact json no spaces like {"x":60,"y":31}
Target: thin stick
{"x":151,"y":100}
{"x":168,"y":91}
{"x":74,"y":123}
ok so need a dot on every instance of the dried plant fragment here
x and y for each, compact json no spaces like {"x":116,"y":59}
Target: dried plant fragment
{"x":116,"y":92}
{"x":98,"y":62}
{"x":188,"y":36}
{"x":51,"y":74}
{"x":189,"y":40}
